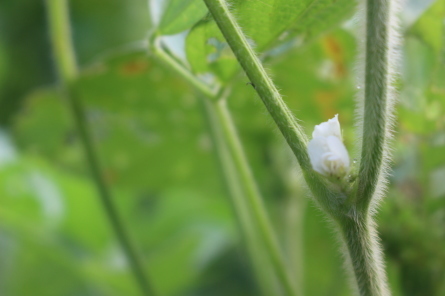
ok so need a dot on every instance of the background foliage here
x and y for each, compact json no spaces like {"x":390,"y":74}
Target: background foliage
{"x":158,"y":157}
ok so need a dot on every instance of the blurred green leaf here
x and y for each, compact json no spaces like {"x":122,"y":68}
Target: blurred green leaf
{"x":208,"y":52}
{"x":430,"y":27}
{"x":158,"y":158}
{"x":98,"y":27}
{"x":148,"y":133}
{"x":180,"y":15}
{"x":423,"y":92}
{"x":58,"y":228}
{"x":45,"y":124}
{"x":187,"y":231}
{"x":146,"y":124}
{"x":266,"y":23}
{"x":320,"y":16}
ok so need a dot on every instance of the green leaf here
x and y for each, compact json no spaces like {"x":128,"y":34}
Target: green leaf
{"x":47,"y":215}
{"x":180,"y":15}
{"x":429,"y":27}
{"x":320,"y":16}
{"x":267,"y":23}
{"x":99,"y":26}
{"x":149,"y":134}
{"x":45,"y":108}
{"x":208,"y":51}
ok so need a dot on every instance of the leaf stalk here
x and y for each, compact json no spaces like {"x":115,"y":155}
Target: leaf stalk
{"x":65,"y":62}
{"x":251,"y":196}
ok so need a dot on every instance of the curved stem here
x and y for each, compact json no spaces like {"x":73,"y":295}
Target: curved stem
{"x":251,"y":195}
{"x":294,"y":235}
{"x":294,"y":207}
{"x":241,"y":208}
{"x":108,"y":204}
{"x":264,"y":86}
{"x":277,"y":108}
{"x":68,"y":72}
{"x":359,"y":234}
{"x":359,"y":237}
{"x":254,"y":199}
{"x":172,"y":63}
{"x":364,"y":255}
{"x":62,"y":45}
{"x":377,"y":106}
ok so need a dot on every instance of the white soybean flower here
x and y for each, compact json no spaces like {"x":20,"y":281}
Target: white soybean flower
{"x":327,"y":152}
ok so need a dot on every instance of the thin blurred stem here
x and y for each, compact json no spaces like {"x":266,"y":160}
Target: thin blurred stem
{"x":293,"y":205}
{"x":251,"y":194}
{"x":60,"y":33}
{"x":255,"y":200}
{"x":294,"y":230}
{"x":58,"y":16}
{"x":231,"y":177}
{"x":181,"y":70}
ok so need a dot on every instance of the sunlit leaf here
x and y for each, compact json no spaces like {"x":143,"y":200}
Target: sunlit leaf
{"x":429,"y":27}
{"x":180,"y":15}
{"x":266,"y":23}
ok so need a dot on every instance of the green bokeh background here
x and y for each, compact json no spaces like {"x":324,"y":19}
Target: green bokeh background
{"x":158,"y":158}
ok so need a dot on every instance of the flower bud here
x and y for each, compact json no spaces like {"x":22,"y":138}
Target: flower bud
{"x":327,"y":152}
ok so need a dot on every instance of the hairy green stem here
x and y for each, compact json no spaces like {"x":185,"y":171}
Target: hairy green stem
{"x":364,"y":255}
{"x":264,"y":86}
{"x":376,"y":104}
{"x":288,"y":125}
{"x":58,"y":16}
{"x":359,"y":236}
{"x":251,"y":193}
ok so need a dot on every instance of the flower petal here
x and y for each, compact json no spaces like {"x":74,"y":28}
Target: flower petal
{"x":317,"y":147}
{"x":328,"y":128}
{"x":337,"y":148}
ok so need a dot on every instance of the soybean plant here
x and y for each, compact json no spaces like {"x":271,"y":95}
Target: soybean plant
{"x":347,"y":191}
{"x":347,"y":195}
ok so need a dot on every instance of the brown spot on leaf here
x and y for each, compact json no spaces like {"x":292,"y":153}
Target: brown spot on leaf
{"x":335,"y":53}
{"x":327,"y":101}
{"x":135,"y":67}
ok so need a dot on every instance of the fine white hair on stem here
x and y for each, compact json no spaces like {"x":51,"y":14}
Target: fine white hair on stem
{"x":377,"y":71}
{"x":394,"y":58}
{"x":356,"y":248}
{"x":392,"y":66}
{"x":360,"y":33}
{"x":349,"y":202}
